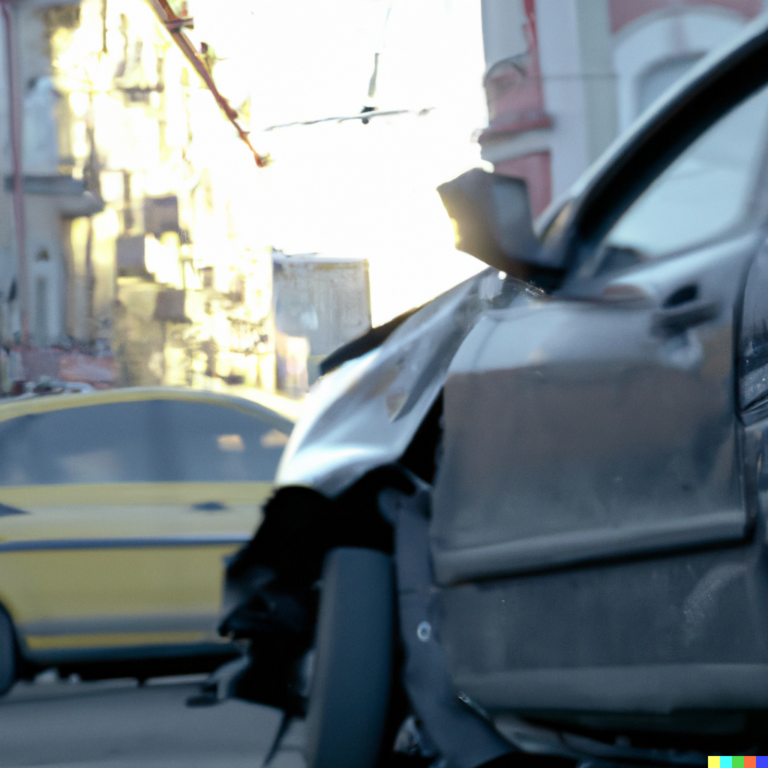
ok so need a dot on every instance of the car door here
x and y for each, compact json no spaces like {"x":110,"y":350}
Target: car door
{"x":589,"y":505}
{"x":75,"y":573}
{"x":116,"y":539}
{"x":224,"y":459}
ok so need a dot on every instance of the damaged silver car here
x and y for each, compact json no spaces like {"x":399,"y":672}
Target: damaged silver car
{"x":528,"y":521}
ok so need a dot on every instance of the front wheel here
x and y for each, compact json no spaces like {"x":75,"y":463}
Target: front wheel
{"x":352,"y":677}
{"x":7,"y":653}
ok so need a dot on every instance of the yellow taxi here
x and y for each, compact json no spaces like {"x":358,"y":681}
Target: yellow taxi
{"x":117,"y":511}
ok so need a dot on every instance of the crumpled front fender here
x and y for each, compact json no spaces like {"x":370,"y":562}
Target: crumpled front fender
{"x":365,"y":414}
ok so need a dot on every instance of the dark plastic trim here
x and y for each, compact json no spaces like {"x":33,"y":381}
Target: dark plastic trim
{"x":652,"y":688}
{"x":453,"y":566}
{"x":190,"y":540}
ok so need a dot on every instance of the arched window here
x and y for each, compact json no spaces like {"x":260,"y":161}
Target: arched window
{"x":652,"y":52}
{"x":657,"y":78}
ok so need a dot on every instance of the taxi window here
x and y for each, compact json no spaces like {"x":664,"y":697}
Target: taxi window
{"x":213,"y":443}
{"x":110,"y":443}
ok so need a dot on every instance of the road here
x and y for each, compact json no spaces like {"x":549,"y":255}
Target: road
{"x":116,"y":724}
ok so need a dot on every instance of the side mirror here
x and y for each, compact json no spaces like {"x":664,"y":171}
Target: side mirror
{"x":491,"y":215}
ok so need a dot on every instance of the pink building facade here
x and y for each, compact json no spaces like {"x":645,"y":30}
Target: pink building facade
{"x":565,"y":77}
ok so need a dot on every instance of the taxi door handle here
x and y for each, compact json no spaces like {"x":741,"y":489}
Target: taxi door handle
{"x":209,"y":506}
{"x":5,"y":509}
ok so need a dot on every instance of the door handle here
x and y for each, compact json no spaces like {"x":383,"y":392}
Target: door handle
{"x":680,"y":316}
{"x":5,"y":510}
{"x":209,"y":506}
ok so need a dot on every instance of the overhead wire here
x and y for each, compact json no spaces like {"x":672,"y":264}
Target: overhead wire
{"x":176,"y":25}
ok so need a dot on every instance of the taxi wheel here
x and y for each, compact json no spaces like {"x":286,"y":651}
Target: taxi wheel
{"x":354,"y":648}
{"x":7,"y":653}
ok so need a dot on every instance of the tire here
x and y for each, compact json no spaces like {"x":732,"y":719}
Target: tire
{"x":350,"y":689}
{"x":7,"y":653}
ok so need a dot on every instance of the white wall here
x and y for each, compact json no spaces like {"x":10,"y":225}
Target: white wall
{"x":579,"y":84}
{"x":665,"y":37}
{"x":503,"y":34}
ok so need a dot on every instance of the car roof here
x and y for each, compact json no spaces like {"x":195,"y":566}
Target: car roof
{"x":13,"y":408}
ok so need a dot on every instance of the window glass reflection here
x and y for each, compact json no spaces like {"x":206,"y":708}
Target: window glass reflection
{"x":142,"y":442}
{"x":706,"y":193}
{"x":111,"y":443}
{"x":212,"y":443}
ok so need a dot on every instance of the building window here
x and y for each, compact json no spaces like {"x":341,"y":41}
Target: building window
{"x":655,"y":80}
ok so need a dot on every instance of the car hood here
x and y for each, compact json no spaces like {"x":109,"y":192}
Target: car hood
{"x":365,"y":414}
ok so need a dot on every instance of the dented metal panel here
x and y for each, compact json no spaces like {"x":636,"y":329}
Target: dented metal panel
{"x":577,"y":430}
{"x":365,"y":414}
{"x":634,"y":637}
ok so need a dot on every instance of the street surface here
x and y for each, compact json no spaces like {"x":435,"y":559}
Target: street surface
{"x":116,"y":724}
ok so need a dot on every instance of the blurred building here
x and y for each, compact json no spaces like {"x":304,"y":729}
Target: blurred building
{"x":565,"y":77}
{"x":321,"y":303}
{"x":133,"y":218}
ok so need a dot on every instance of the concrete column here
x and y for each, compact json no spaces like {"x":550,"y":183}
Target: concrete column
{"x":503,"y":34}
{"x":575,"y":51}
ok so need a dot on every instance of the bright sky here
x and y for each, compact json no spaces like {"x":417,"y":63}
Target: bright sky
{"x":347,"y":189}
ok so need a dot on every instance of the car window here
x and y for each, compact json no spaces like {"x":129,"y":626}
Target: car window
{"x":213,"y":443}
{"x":705,"y":194}
{"x":111,"y":443}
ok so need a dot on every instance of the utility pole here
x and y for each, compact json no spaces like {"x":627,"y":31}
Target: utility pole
{"x":18,"y":180}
